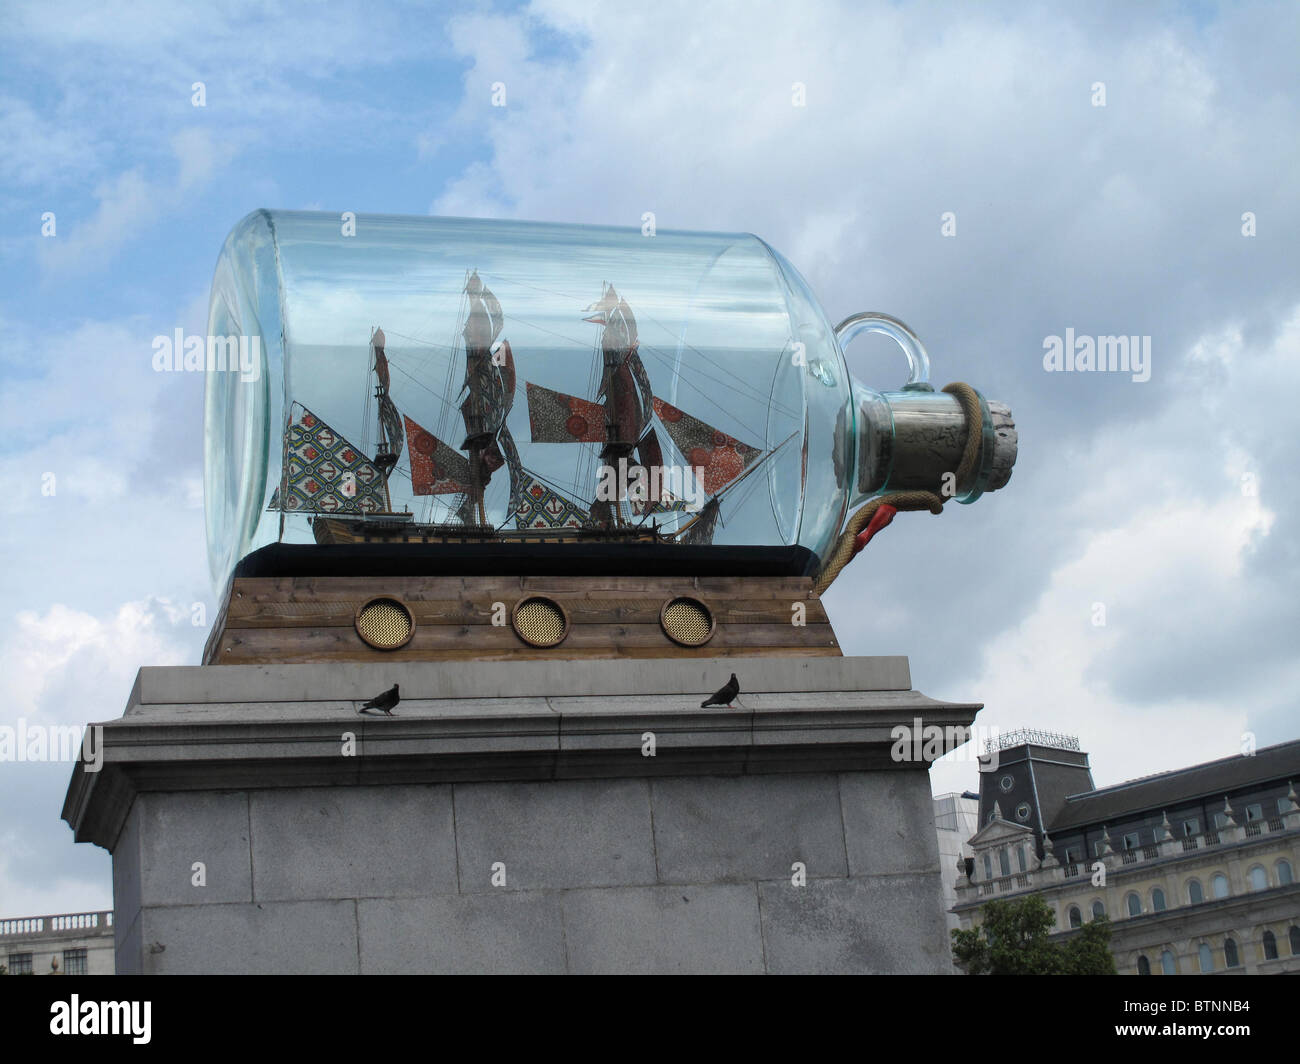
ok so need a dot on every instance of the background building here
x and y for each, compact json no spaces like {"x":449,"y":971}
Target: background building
{"x":956,"y":819}
{"x":67,"y":944}
{"x":1195,"y":868}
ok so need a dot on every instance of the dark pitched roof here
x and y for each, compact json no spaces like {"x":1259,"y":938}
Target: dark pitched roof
{"x":1181,"y":785}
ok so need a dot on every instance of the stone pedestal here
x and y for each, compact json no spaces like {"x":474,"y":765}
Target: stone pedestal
{"x":507,"y":818}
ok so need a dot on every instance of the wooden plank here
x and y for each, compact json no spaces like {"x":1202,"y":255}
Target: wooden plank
{"x":490,"y":637}
{"x":244,"y":655}
{"x":339,"y":588}
{"x":245,"y":613}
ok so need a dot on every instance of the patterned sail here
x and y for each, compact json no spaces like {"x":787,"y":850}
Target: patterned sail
{"x":555,"y":417}
{"x":722,"y":457}
{"x":544,"y":507}
{"x":436,"y":469}
{"x":324,"y":473}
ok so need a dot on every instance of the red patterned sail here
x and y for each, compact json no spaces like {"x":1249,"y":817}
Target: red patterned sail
{"x":558,"y":418}
{"x":722,"y":457}
{"x":436,"y":469}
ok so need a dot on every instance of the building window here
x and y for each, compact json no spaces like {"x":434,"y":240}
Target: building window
{"x":1191,"y":826}
{"x":1230,"y":959}
{"x":1220,"y":885}
{"x":1020,"y":858}
{"x":1168,"y":966}
{"x":1134,"y":904}
{"x":1076,"y":917}
{"x":1283,"y":868}
{"x":1158,"y":900}
{"x":1144,"y":965}
{"x":1294,"y":936}
{"x":1194,"y":894}
{"x":1004,"y":862}
{"x":1098,"y":910}
{"x":1023,"y":811}
{"x":1258,"y":878}
{"x":1254,"y":812}
{"x":1206,"y":958}
{"x":1098,"y":847}
{"x":1270,"y":946}
{"x":988,"y":867}
{"x":1131,"y":841}
{"x":74,"y":962}
{"x":1070,"y":856}
{"x":20,"y":964}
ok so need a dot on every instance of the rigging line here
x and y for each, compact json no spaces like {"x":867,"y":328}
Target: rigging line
{"x":696,"y":350}
{"x":502,"y":279}
{"x":417,"y":340}
{"x":755,"y":395}
{"x":749,"y":429}
{"x":542,"y":328}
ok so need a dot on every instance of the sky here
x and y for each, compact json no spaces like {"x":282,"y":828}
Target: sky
{"x":992,"y":174}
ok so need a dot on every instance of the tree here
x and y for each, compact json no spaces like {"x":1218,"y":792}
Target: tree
{"x":1013,"y":940}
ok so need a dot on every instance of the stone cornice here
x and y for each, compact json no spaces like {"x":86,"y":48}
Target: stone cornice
{"x":237,"y":727}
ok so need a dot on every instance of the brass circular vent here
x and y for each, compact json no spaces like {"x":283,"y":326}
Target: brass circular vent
{"x":687,"y":622}
{"x":385,"y":624}
{"x":540,"y":622}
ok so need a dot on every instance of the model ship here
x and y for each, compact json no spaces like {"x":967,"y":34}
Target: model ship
{"x":346,"y":493}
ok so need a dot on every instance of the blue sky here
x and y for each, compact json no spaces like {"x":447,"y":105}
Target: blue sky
{"x":1122,"y":219}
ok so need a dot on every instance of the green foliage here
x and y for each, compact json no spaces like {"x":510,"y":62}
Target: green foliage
{"x":1013,"y":940}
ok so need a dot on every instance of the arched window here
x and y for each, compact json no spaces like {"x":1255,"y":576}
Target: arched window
{"x":1098,"y":910}
{"x":1220,"y":885}
{"x":1230,"y":953}
{"x":1294,"y":936}
{"x":988,"y":867}
{"x":1144,"y":965}
{"x":1134,"y":904}
{"x":1167,"y":964}
{"x":1258,"y":878}
{"x":1020,"y":857}
{"x":1270,"y":946}
{"x":1076,"y":917}
{"x":1206,"y":957}
{"x":1283,"y":869}
{"x":1157,"y":900}
{"x":1194,"y":894}
{"x":1004,"y":862}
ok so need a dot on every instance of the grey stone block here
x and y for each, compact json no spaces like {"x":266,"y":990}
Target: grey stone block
{"x":890,"y":925}
{"x":503,"y":932}
{"x":335,"y":842}
{"x":561,"y":833}
{"x":127,"y":948}
{"x":126,"y":874}
{"x":687,"y":930}
{"x":180,"y":828}
{"x":737,"y":829}
{"x":272,"y":938}
{"x":889,"y":822}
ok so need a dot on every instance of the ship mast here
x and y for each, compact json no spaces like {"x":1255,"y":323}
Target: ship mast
{"x":624,"y":390}
{"x":482,"y":408}
{"x":391,"y":435}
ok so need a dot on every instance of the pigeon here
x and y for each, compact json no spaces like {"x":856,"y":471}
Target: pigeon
{"x":725,"y":696}
{"x":384,"y":702}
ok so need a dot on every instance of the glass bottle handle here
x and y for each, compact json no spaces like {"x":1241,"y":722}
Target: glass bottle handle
{"x":918,"y":379}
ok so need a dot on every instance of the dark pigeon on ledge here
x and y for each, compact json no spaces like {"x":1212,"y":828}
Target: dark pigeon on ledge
{"x":725,"y":696}
{"x":384,"y":703}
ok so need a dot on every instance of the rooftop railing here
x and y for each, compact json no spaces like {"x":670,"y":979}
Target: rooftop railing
{"x":61,"y":923}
